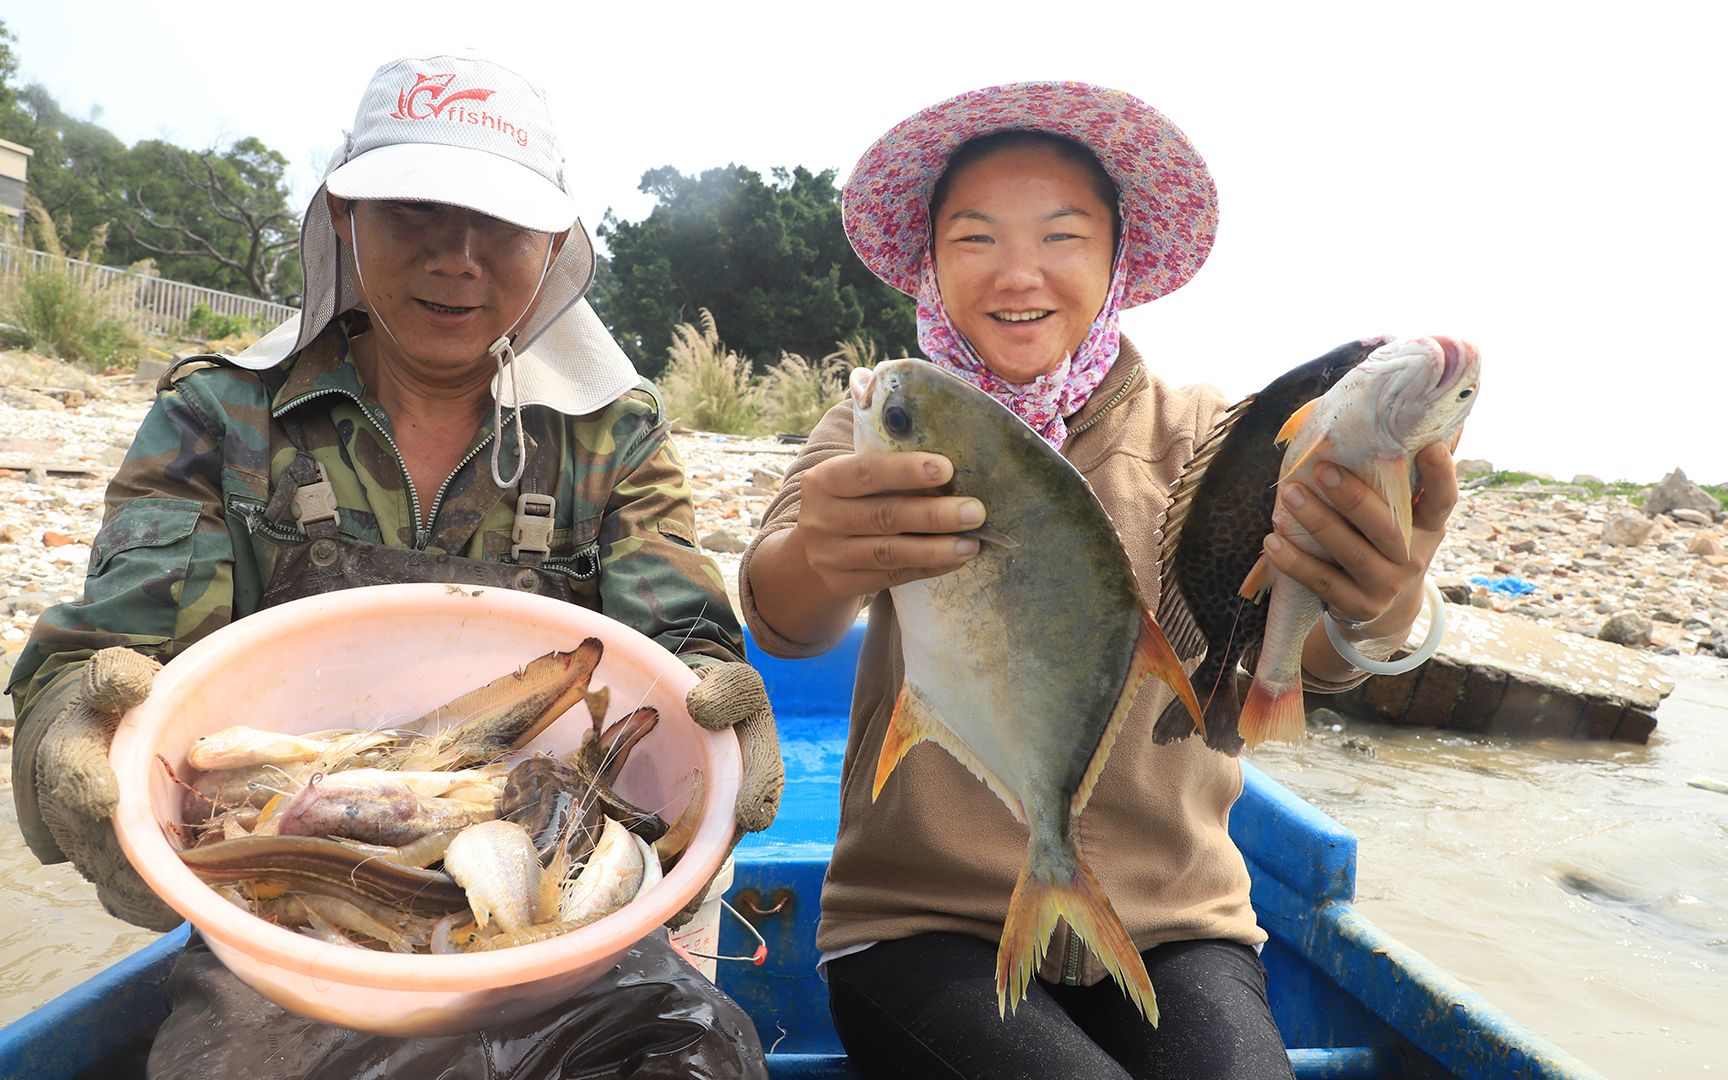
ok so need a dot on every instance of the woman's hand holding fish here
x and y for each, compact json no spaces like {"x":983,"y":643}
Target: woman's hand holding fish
{"x":1373,"y":581}
{"x":863,"y":526}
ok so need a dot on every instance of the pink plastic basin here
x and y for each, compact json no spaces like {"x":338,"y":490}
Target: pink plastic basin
{"x":387,"y":655}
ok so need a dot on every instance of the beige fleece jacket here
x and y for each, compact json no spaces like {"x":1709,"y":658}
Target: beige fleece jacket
{"x":938,"y":851}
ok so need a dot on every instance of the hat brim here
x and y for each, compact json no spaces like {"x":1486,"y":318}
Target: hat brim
{"x":459,"y":176}
{"x":1169,"y":203}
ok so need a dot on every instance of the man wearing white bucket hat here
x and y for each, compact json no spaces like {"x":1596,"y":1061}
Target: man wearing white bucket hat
{"x":446,"y":407}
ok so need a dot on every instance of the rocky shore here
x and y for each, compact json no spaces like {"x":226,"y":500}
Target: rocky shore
{"x":1547,"y":552}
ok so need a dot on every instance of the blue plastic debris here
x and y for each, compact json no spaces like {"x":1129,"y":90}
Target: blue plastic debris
{"x":1509,"y":585}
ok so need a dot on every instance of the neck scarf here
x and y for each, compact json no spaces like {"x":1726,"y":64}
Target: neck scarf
{"x":1045,"y":401}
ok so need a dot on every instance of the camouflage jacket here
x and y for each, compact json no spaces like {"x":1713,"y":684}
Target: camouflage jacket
{"x":185,"y":546}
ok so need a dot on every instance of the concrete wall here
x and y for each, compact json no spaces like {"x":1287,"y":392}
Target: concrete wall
{"x":14,"y":176}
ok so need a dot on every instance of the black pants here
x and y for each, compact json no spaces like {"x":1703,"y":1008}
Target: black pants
{"x":926,"y":1007}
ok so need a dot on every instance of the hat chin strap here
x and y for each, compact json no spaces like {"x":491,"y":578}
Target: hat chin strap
{"x":500,"y":351}
{"x":504,"y":354}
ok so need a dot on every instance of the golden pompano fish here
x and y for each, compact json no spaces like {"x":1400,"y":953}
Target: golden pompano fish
{"x":1024,"y":662}
{"x":1407,"y":394}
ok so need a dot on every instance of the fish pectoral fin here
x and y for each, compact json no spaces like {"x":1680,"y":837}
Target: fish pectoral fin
{"x":1395,"y":489}
{"x":1291,"y":467}
{"x":984,"y":534}
{"x":1032,"y":913}
{"x":1294,"y":424}
{"x":1259,"y":580}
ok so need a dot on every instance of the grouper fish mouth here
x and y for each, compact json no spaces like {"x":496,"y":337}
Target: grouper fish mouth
{"x":1025,"y":662}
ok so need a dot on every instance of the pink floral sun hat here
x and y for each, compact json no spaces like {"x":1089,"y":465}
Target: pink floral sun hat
{"x":1169,"y":204}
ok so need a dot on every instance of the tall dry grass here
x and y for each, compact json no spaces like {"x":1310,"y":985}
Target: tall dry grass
{"x":708,"y":386}
{"x":49,"y":310}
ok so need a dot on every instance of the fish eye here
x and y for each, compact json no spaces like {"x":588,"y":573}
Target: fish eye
{"x":894,"y":418}
{"x":1466,"y":392}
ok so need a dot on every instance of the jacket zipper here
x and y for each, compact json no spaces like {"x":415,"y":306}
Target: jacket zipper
{"x":421,"y":534}
{"x":1071,"y":969}
{"x":1133,"y":380}
{"x":438,"y":499}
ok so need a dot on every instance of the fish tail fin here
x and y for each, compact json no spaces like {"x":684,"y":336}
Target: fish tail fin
{"x":1153,"y":652}
{"x":1272,"y":714}
{"x":1032,"y":914}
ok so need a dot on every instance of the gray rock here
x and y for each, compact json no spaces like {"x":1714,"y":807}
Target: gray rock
{"x":756,"y":490}
{"x":1585,"y":479}
{"x":1626,"y":628}
{"x":1675,"y":492}
{"x":1664,"y":615}
{"x":724,"y":542}
{"x":30,"y":603}
{"x":1688,"y":516}
{"x":1626,"y":530}
{"x":37,"y":475}
{"x":1473,"y":466}
{"x":1524,"y":547}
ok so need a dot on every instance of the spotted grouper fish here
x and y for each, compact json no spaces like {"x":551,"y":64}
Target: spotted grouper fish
{"x":1220,"y":511}
{"x":1025,"y":662}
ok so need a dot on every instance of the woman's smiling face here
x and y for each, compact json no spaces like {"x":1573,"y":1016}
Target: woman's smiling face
{"x":1023,"y":246}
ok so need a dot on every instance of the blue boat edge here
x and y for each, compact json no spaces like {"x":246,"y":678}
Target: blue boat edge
{"x":1350,"y":1000}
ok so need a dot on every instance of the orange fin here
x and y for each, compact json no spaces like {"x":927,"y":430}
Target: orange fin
{"x":1457,"y":437}
{"x":1291,"y":467}
{"x":1395,"y":488}
{"x":1259,"y":579}
{"x":907,"y":727}
{"x":1032,"y":914}
{"x":1294,"y":424}
{"x":1154,"y":656}
{"x":1272,"y":715}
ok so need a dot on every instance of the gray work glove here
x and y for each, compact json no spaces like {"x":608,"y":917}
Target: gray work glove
{"x":64,"y":773}
{"x":731,"y":696}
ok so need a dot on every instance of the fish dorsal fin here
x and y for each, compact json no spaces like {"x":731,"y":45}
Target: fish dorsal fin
{"x":1259,"y":579}
{"x":1395,"y":488}
{"x":913,"y":722}
{"x":1176,"y":617}
{"x":1153,"y":659}
{"x":1295,"y":423}
{"x":1291,"y":467}
{"x":1182,"y":498}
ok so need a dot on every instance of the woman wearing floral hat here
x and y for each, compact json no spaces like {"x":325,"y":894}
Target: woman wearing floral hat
{"x":1024,"y":218}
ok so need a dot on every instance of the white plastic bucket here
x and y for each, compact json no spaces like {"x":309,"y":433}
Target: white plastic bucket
{"x":700,"y":937}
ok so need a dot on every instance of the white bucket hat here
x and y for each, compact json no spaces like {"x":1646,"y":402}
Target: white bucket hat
{"x":470,"y":133}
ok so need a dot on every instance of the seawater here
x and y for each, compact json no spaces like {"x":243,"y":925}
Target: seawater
{"x":1580,"y":886}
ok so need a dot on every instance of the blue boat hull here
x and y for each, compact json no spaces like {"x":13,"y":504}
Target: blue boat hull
{"x":1350,"y":1001}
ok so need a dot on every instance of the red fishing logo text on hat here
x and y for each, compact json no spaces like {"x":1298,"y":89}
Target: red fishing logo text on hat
{"x":427,"y":100}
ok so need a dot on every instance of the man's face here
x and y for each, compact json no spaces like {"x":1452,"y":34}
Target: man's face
{"x":446,"y":281}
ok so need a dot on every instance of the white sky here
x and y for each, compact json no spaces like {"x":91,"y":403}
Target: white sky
{"x":1544,"y":179}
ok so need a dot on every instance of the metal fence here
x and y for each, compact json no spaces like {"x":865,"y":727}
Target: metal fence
{"x":152,"y":304}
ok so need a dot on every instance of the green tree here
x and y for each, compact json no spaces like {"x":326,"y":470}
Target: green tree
{"x":215,"y":218}
{"x":769,"y":259}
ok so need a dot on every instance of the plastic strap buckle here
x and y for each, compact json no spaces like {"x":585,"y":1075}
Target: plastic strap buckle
{"x":315,"y":504}
{"x":532,"y":533}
